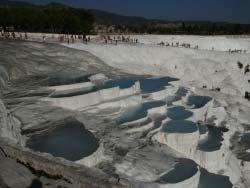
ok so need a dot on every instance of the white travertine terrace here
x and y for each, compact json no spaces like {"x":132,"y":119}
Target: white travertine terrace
{"x":82,"y":101}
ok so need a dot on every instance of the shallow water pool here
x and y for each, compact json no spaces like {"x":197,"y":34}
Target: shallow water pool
{"x":147,"y":85}
{"x":210,"y":180}
{"x":178,"y":113}
{"x":179,"y":126}
{"x":213,"y":140}
{"x":71,"y":141}
{"x":183,"y":170}
{"x":198,"y":101}
{"x":155,"y":84}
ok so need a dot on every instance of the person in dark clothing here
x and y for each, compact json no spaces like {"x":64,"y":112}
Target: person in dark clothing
{"x":25,"y":35}
{"x":247,"y":69}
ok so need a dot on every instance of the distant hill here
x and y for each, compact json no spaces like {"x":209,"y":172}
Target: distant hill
{"x":26,"y":4}
{"x":107,"y":18}
{"x":15,"y":3}
{"x":101,"y":17}
{"x":56,"y":5}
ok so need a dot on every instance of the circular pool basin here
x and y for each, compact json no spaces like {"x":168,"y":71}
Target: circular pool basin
{"x":178,"y":113}
{"x":70,"y":141}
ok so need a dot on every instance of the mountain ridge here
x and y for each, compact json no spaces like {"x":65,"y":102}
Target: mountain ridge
{"x":105,"y":17}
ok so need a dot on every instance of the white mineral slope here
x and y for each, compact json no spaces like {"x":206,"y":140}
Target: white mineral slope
{"x":125,"y":102}
{"x":72,"y":86}
{"x":183,"y":143}
{"x":205,"y":68}
{"x":142,"y":128}
{"x":195,"y":69}
{"x":10,"y":127}
{"x":161,"y":95}
{"x":219,"y":43}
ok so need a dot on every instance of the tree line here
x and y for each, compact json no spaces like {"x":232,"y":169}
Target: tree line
{"x":194,"y":28}
{"x":47,"y":19}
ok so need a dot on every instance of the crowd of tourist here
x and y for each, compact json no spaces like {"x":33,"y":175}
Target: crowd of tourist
{"x":118,"y":39}
{"x":106,"y":39}
{"x":13,"y":35}
{"x":74,"y":38}
{"x":177,"y":44}
{"x":237,"y":51}
{"x":187,"y":45}
{"x":44,"y":37}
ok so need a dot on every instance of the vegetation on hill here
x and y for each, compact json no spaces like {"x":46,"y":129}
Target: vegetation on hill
{"x":195,"y":28}
{"x":52,"y":19}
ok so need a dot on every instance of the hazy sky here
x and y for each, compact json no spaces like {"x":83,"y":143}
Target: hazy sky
{"x":211,"y":10}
